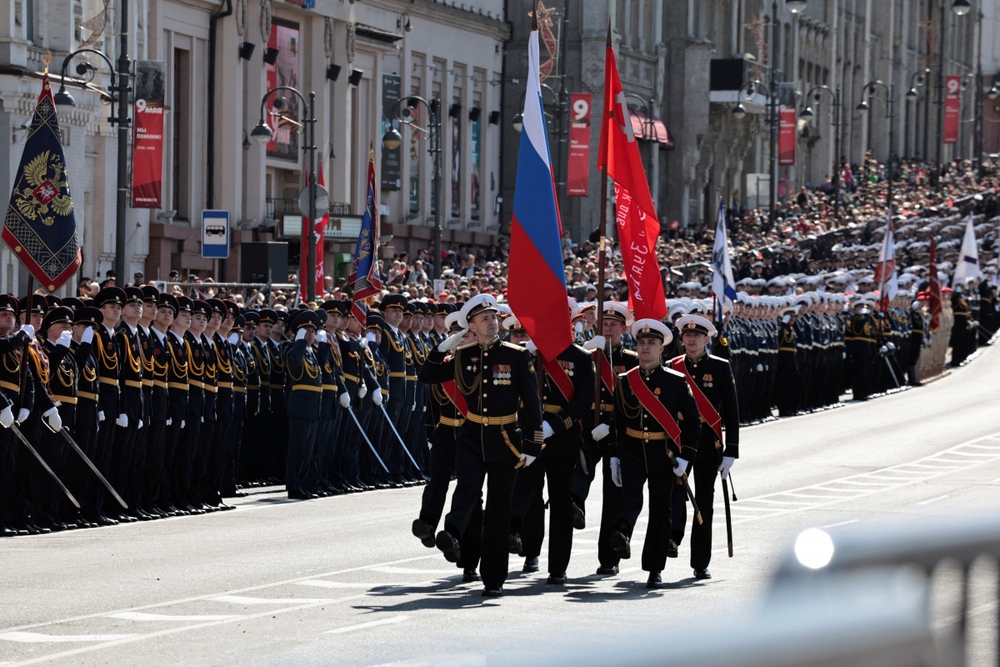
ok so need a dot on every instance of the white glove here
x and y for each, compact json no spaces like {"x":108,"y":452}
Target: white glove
{"x":362,"y":390}
{"x":23,"y":414}
{"x":527,"y":459}
{"x":370,"y":337}
{"x":88,"y":335}
{"x":234,"y":338}
{"x":616,"y":471}
{"x":377,"y":397}
{"x":122,"y":420}
{"x":183,"y":423}
{"x":52,"y":419}
{"x":727,"y":464}
{"x":140,"y":424}
{"x":28,"y":329}
{"x":345,"y":400}
{"x":530,"y":346}
{"x":300,"y":334}
{"x":547,"y":431}
{"x":100,"y":415}
{"x":6,"y":417}
{"x":64,"y":338}
{"x":595,"y":343}
{"x":452,"y":341}
{"x":202,"y":420}
{"x":169,"y":421}
{"x":680,"y":467}
{"x":891,"y":346}
{"x":320,"y":336}
{"x":600,"y":432}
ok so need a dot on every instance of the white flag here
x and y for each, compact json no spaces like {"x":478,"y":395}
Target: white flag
{"x":967,"y":264}
{"x":885,"y":270}
{"x":723,"y":285}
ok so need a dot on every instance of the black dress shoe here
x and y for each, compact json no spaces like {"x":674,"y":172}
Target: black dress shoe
{"x":530,"y":565}
{"x":620,"y":543}
{"x":514,"y":545}
{"x":7,"y":532}
{"x":607,"y":570}
{"x":424,"y":532}
{"x":702,"y":574}
{"x":493,"y":592}
{"x":299,"y":495}
{"x":470,"y":575}
{"x":654,"y":580}
{"x":671,"y":549}
{"x":579,"y":518}
{"x":106,"y":521}
{"x":449,"y":546}
{"x":556,"y":579}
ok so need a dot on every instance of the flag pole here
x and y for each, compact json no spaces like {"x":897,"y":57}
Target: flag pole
{"x":602,"y":259}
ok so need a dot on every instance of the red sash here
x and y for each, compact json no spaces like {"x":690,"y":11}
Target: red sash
{"x":652,"y":404}
{"x":558,"y":375}
{"x":455,"y":396}
{"x":705,"y":407}
{"x":607,"y":372}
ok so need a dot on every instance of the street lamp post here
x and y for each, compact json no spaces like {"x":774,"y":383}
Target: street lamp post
{"x":794,"y":6}
{"x":807,"y":115}
{"x":119,"y":117}
{"x":917,"y":80}
{"x":870,"y":88}
{"x":647,"y":109}
{"x":262,"y":134}
{"x":958,"y":8}
{"x":392,"y":139}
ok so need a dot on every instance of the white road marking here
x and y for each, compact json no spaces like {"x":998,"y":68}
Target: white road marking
{"x":323,"y":583}
{"x":141,"y":616}
{"x":364,"y":626}
{"x":933,"y":500}
{"x":841,"y":523}
{"x":39,"y":638}
{"x":239,"y":599}
{"x":389,"y":569}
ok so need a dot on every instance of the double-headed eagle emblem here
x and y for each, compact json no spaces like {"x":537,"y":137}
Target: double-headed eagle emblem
{"x":46,"y":194}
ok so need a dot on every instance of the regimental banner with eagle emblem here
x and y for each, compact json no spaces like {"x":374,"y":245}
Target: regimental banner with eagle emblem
{"x":40,"y":226}
{"x":365,"y":280}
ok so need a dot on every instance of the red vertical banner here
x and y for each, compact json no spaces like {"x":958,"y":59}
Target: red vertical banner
{"x":578,"y":176}
{"x":320,"y":246}
{"x":786,"y":135}
{"x":147,"y":134}
{"x":952,"y":108}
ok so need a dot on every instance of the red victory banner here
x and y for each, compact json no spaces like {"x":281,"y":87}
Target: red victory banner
{"x":147,"y":134}
{"x":952,"y":108}
{"x":786,"y":135}
{"x":578,"y":179}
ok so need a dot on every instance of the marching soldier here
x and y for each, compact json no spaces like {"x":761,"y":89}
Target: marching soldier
{"x":657,"y":428}
{"x":616,"y":359}
{"x":711,"y":381}
{"x":498,"y":383}
{"x":567,"y":399}
{"x":451,"y":408}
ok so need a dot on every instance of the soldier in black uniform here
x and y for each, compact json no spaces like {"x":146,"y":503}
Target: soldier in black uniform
{"x":157,"y":316}
{"x":859,"y":339}
{"x":13,"y":513}
{"x":218,"y":447}
{"x":335,"y":399}
{"x":238,"y":351}
{"x":111,"y":411}
{"x":787,"y":379}
{"x":249,"y":452}
{"x":278,"y":445}
{"x":49,"y":506}
{"x":961,"y":336}
{"x":191,"y":438}
{"x":712,"y":384}
{"x":498,"y":383}
{"x":259,"y":432}
{"x":126,"y":480}
{"x":396,"y":354}
{"x":596,"y":441}
{"x":917,"y":328}
{"x":305,"y":400}
{"x":657,"y":430}
{"x":178,"y":450}
{"x":567,"y":400}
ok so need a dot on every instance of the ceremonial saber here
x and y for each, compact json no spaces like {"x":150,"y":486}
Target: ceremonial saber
{"x":365,"y":436}
{"x":892,"y":371}
{"x":24,"y":440}
{"x":93,"y":468}
{"x":683,"y":479}
{"x":401,"y":444}
{"x":729,"y":516}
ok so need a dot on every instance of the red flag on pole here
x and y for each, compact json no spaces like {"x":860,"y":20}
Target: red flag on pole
{"x":934,"y":302}
{"x":635,"y":215}
{"x":320,"y":248}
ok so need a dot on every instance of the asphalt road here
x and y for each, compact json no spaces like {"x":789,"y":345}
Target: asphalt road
{"x":341,"y":580}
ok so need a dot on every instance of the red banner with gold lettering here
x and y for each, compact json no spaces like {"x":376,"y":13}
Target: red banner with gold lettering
{"x":786,"y":136}
{"x":952,"y":108}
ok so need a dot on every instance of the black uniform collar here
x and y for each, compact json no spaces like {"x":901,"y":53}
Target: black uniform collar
{"x":490,"y":344}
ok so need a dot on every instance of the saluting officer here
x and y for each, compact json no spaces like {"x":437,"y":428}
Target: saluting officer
{"x":711,"y":381}
{"x":657,"y":428}
{"x":498,"y":383}
{"x":305,"y":402}
{"x":599,"y":441}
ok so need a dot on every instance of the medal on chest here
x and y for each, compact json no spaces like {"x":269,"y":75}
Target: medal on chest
{"x":502,"y":374}
{"x":473,"y":365}
{"x":707,"y":381}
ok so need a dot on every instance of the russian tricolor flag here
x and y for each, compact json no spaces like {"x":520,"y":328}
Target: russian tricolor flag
{"x":536,"y":286}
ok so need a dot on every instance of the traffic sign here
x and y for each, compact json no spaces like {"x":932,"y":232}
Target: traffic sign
{"x":215,"y":234}
{"x":322,"y":201}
